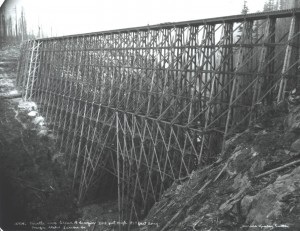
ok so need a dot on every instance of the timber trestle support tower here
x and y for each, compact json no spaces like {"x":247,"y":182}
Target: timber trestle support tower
{"x":146,"y":106}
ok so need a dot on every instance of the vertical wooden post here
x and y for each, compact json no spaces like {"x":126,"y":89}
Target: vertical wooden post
{"x":296,"y":53}
{"x":234,"y":85}
{"x":29,"y":76}
{"x":263,"y":70}
{"x":286,"y":62}
{"x":118,"y":168}
{"x":143,"y":102}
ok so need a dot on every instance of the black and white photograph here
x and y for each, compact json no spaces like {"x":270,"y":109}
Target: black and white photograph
{"x":139,"y":115}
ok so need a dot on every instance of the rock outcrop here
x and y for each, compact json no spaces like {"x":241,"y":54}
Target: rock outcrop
{"x":255,"y":184}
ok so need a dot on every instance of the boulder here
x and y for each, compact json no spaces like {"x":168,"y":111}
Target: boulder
{"x":267,"y":204}
{"x":292,"y":121}
{"x":246,"y":205}
{"x":257,"y":167}
{"x":295,"y":147}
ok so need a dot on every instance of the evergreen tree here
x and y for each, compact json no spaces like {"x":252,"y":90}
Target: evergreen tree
{"x":276,"y":5}
{"x":288,"y":4}
{"x":270,"y":5}
{"x":245,"y":9}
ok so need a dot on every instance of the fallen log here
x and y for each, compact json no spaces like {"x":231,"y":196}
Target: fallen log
{"x":185,"y":206}
{"x":277,"y":169}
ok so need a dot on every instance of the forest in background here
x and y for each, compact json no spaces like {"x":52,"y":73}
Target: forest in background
{"x":14,"y":27}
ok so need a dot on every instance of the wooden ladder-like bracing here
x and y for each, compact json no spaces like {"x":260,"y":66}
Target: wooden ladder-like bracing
{"x":139,"y":108}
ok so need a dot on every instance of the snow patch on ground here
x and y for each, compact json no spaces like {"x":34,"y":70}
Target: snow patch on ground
{"x":29,"y":109}
{"x":13,"y":92}
{"x":27,"y":106}
{"x":38,"y":120}
{"x":32,"y":113}
{"x":6,"y":83}
{"x":9,"y":93}
{"x":43,"y":132}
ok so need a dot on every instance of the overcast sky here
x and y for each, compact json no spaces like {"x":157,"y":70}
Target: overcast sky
{"x":81,"y":16}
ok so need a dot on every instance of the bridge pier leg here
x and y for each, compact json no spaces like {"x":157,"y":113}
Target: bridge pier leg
{"x":265,"y":71}
{"x":147,"y":106}
{"x":286,"y":63}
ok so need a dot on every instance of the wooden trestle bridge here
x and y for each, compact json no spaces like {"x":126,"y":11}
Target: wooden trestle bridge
{"x":148,"y":105}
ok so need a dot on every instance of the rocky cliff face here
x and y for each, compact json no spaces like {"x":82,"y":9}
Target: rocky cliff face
{"x":255,"y":185}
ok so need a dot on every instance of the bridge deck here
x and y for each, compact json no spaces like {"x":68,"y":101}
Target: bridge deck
{"x":148,"y":105}
{"x":199,"y":22}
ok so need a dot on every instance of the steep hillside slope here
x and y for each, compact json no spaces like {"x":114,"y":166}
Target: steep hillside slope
{"x":32,"y":185}
{"x":255,"y":185}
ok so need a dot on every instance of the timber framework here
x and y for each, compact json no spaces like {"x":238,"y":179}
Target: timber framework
{"x":148,"y":105}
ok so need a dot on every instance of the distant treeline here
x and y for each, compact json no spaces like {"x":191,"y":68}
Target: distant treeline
{"x":13,"y":27}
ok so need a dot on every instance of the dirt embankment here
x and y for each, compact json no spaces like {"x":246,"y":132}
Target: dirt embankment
{"x":32,"y":185}
{"x":254,"y":186}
